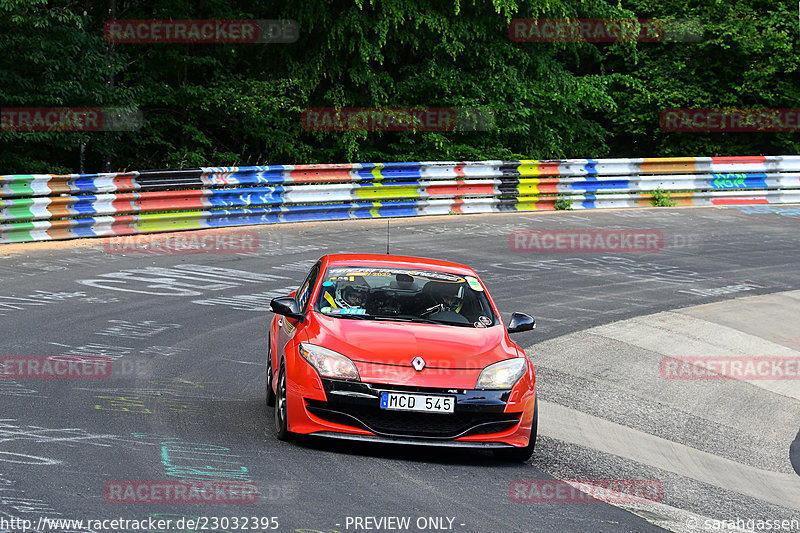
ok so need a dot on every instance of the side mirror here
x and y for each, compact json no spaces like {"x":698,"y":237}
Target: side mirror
{"x":521,"y":322}
{"x":286,"y":306}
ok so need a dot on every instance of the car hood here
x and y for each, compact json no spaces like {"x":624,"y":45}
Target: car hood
{"x":384,"y":349}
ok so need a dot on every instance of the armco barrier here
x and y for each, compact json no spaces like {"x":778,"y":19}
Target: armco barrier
{"x":45,"y":206}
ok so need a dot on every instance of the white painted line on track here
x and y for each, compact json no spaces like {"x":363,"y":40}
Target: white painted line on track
{"x":570,"y":425}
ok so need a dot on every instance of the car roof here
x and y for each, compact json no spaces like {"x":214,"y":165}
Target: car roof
{"x":381,"y":260}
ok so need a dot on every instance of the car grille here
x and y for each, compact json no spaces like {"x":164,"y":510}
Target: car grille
{"x":400,"y":423}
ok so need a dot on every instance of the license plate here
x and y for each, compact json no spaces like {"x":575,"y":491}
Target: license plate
{"x":398,"y":401}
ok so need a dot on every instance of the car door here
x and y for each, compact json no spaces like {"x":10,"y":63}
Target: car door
{"x":288,"y":327}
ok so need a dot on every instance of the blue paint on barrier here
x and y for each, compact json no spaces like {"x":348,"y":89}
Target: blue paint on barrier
{"x":246,"y":196}
{"x":84,"y":206}
{"x":84,"y":185}
{"x":299,"y":213}
{"x":739,"y":181}
{"x":594,"y":185}
{"x":235,"y":217}
{"x":395,"y":209}
{"x":83,"y":227}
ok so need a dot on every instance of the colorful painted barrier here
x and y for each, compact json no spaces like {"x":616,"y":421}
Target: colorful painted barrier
{"x":45,"y":207}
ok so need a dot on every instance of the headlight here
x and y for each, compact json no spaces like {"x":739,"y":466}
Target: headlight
{"x":328,"y":363}
{"x":502,"y":375}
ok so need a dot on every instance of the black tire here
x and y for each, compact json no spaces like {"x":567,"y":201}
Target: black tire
{"x":520,"y":455}
{"x":270,"y":396}
{"x":281,"y":408}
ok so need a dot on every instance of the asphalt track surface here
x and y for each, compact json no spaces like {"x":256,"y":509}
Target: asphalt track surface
{"x":188,"y":347}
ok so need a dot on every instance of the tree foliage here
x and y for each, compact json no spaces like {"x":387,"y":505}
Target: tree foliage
{"x":240,"y":104}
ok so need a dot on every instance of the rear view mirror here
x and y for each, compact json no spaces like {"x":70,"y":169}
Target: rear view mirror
{"x":521,"y":322}
{"x":285,"y":306}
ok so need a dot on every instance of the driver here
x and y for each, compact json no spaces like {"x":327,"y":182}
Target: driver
{"x":448,"y":296}
{"x":347,"y":295}
{"x":352,"y":296}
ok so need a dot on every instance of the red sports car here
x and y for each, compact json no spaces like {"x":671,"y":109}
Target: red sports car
{"x":399,"y":349}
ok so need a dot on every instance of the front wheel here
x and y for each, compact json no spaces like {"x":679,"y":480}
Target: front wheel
{"x":282,"y":408}
{"x":520,"y":455}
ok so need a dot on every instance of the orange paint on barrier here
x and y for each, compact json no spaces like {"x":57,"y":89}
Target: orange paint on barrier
{"x":317,"y":176}
{"x":668,"y":164}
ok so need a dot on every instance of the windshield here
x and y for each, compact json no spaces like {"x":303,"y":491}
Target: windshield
{"x":404,"y":295}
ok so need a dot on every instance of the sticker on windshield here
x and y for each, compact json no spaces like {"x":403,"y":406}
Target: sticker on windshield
{"x":474,"y":284}
{"x":349,"y":273}
{"x":479,"y":325}
{"x":484,"y":320}
{"x":326,"y":309}
{"x":346,"y":311}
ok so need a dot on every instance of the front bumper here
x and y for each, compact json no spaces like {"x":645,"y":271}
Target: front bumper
{"x":353,"y":408}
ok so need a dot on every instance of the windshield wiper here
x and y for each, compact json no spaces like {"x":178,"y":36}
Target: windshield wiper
{"x":407,"y":318}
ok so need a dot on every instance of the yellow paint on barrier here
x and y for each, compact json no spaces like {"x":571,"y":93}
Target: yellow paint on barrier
{"x":528,"y":186}
{"x":376,"y":172}
{"x":527,"y":204}
{"x":170,"y":221}
{"x":383,"y":191}
{"x":529,"y":167}
{"x":374,"y":211}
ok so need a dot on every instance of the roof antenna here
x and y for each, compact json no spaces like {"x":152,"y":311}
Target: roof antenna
{"x":387,"y":237}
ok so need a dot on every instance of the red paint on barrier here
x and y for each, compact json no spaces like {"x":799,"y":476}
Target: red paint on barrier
{"x":170,"y":200}
{"x":739,"y":159}
{"x":124,"y":183}
{"x":459,"y":189}
{"x":738,"y":201}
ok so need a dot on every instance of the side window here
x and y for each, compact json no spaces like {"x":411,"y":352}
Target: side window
{"x":304,"y":292}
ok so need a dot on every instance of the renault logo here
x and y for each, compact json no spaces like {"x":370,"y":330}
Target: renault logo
{"x":418,"y":363}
